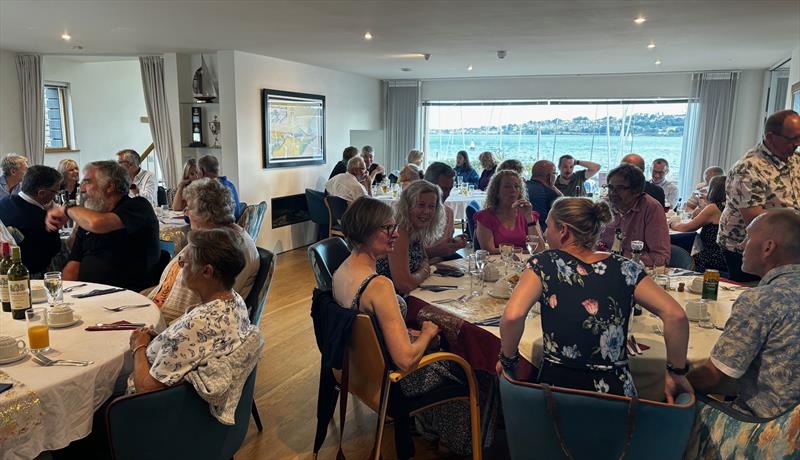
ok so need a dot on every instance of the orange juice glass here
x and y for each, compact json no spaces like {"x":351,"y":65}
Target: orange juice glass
{"x":38,"y":333}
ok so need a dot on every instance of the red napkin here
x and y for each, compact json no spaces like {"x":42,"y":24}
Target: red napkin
{"x":117,"y":326}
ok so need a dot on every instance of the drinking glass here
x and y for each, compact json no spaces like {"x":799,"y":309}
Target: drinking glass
{"x":532,"y":243}
{"x":505,"y":254}
{"x":475,"y":288}
{"x":38,"y":333}
{"x":705,"y":316}
{"x":53,"y":286}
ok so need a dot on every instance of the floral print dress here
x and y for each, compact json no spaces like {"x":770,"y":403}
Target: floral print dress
{"x":585,"y":313}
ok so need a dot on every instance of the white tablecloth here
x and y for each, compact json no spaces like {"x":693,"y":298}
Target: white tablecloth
{"x":59,"y":401}
{"x":456,"y":201}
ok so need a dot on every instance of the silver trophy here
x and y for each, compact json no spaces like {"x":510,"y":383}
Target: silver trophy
{"x":214,"y":128}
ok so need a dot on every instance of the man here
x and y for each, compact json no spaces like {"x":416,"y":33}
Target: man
{"x":209,"y":167}
{"x":570,"y":182}
{"x":351,"y":185}
{"x":117,"y":242}
{"x":699,"y":198}
{"x":26,"y":212}
{"x":638,"y":215}
{"x":341,"y":167}
{"x":541,"y":191}
{"x":768,"y":176}
{"x":760,"y":346}
{"x":14,"y":167}
{"x":374,"y":169}
{"x":445,"y":247}
{"x":650,"y":189}
{"x":142,"y":182}
{"x":658,"y":173}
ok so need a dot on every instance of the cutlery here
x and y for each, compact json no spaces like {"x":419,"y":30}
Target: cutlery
{"x":97,"y":292}
{"x":72,"y":288}
{"x":118,"y":325}
{"x":438,"y":286}
{"x":43,"y":360}
{"x":493,"y":321}
{"x":126,"y":307}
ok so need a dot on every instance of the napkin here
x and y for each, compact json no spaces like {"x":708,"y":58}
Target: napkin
{"x":117,"y":326}
{"x":97,"y":292}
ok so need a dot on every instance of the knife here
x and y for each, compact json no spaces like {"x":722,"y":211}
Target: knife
{"x":97,"y":292}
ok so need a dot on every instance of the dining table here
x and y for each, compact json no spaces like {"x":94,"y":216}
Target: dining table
{"x":172,"y":230}
{"x":457,"y":201}
{"x":48,"y":407}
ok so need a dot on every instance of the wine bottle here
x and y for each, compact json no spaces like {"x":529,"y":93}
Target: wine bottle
{"x":617,"y":247}
{"x":19,"y":285}
{"x":636,"y":255}
{"x":5,"y":264}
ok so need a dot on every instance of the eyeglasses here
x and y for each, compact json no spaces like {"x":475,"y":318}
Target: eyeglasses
{"x":618,"y":188}
{"x":182,"y":262}
{"x":795,"y":139}
{"x":389,"y":228}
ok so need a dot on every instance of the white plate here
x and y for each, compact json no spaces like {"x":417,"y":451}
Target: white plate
{"x":14,"y":359}
{"x":75,"y":319}
{"x":498,"y":296}
{"x":693,"y":291}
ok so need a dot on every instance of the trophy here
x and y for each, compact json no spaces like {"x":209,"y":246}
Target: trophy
{"x":214,"y":128}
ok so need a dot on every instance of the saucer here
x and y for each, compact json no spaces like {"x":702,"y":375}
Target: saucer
{"x":693,"y":291}
{"x":75,"y":319}
{"x":14,"y":359}
{"x":499,"y":296}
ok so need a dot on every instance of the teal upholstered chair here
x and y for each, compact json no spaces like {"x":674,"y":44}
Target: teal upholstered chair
{"x":592,"y":425}
{"x":252,"y":217}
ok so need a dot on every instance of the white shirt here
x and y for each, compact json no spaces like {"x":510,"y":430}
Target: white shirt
{"x":670,"y":192}
{"x":30,"y":200}
{"x":345,"y":186}
{"x":147,"y":186}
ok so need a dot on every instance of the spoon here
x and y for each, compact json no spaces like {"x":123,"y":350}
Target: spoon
{"x":71,"y":288}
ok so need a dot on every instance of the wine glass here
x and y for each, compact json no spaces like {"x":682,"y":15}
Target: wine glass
{"x":532,"y":242}
{"x":54,"y":287}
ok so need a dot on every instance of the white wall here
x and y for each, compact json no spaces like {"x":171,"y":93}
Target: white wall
{"x":352,"y":102}
{"x":11,"y":137}
{"x":107,"y":103}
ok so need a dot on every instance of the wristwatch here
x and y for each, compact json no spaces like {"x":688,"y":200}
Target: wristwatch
{"x":577,"y":162}
{"x":70,"y":204}
{"x":677,"y":370}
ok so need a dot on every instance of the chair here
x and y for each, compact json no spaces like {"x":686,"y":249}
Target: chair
{"x":325,"y":257}
{"x":592,"y":425}
{"x":161,"y":196}
{"x":252,"y":218}
{"x":336,"y":209}
{"x":679,"y":258}
{"x":471,"y":209}
{"x":183,"y":427}
{"x":318,"y":212}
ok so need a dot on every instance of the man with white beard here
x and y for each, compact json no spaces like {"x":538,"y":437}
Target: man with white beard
{"x":117,"y":242}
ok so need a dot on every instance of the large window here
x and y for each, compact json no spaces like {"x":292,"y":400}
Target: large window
{"x":599,"y":131}
{"x":56,"y":118}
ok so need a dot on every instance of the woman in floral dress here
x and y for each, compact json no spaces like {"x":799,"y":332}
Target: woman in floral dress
{"x":587,"y":298}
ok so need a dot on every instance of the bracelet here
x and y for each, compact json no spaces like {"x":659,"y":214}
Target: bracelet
{"x":677,"y":370}
{"x":577,"y":162}
{"x":508,"y":363}
{"x":135,"y":349}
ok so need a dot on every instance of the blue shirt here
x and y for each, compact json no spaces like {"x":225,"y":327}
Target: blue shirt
{"x":4,"y":189}
{"x":224,"y":180}
{"x":469,"y":176}
{"x":542,"y":199}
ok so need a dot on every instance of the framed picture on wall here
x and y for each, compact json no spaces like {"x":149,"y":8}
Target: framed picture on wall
{"x":796,"y":97}
{"x":293,"y":127}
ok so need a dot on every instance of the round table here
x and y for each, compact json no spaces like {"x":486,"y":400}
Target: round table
{"x":49,"y":407}
{"x":456,"y":201}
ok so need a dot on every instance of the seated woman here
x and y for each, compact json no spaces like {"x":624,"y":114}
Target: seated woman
{"x":420,"y":216}
{"x":209,"y":205}
{"x":708,"y":222}
{"x":464,"y":168}
{"x":408,"y":174}
{"x":508,"y":216}
{"x":70,"y":186}
{"x":190,"y":173}
{"x":415,"y":158}
{"x":489,"y":166}
{"x":514,"y":165}
{"x":587,"y":298}
{"x":214,"y":328}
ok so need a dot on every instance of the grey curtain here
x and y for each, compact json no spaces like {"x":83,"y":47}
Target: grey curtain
{"x":709,"y":117}
{"x":31,"y":87}
{"x":402,"y":121}
{"x":155,"y":97}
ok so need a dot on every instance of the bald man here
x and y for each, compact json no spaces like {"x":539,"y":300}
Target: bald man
{"x":760,"y":346}
{"x":353,"y":184}
{"x":649,"y":188}
{"x":541,"y":189}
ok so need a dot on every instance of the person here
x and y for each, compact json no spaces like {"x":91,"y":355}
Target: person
{"x":209,"y":205}
{"x":14,"y":167}
{"x":209,"y":167}
{"x":117,"y":242}
{"x":708,"y":223}
{"x":464,"y":168}
{"x":409,"y":174}
{"x":445,"y":247}
{"x":658,"y":172}
{"x":698,"y":200}
{"x":341,"y":166}
{"x":351,"y":185}
{"x":541,"y":191}
{"x":507,"y":216}
{"x":26,"y":212}
{"x":768,"y":176}
{"x":587,"y":297}
{"x":489,"y":165}
{"x":638,"y":215}
{"x":420,"y":216}
{"x":653,"y":190}
{"x":570,"y":182}
{"x":415,"y":158}
{"x":513,"y":165}
{"x":142,"y":182}
{"x":190,"y":173}
{"x":375,"y":170}
{"x":215,"y":328}
{"x":760,"y":345}
{"x":70,"y":184}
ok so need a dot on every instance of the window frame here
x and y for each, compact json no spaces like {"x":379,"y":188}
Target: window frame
{"x":65,"y":111}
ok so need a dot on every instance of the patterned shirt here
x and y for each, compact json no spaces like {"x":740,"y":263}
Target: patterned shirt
{"x":758,"y":179}
{"x":761,"y":344}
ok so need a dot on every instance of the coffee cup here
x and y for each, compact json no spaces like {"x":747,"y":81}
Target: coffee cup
{"x":696,"y":310}
{"x":60,"y":314}
{"x":11,"y":347}
{"x":697,"y":284}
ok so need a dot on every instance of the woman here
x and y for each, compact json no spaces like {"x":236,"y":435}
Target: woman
{"x":586,"y":299}
{"x":415,"y":158}
{"x":514,"y":165}
{"x":508,"y":216}
{"x":408,"y":174}
{"x":372,"y":233}
{"x":70,"y":185}
{"x":214,"y":328}
{"x":209,"y":206}
{"x":190,"y":173}
{"x":708,"y":223}
{"x":489,"y":166}
{"x":420,"y":216}
{"x":464,"y":168}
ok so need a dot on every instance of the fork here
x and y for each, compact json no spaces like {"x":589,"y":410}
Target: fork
{"x":125,"y":307}
{"x":43,"y":360}
{"x":72,"y":288}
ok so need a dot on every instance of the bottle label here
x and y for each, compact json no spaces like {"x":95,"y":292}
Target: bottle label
{"x":710,"y":289}
{"x":4,"y":295}
{"x":20,"y":293}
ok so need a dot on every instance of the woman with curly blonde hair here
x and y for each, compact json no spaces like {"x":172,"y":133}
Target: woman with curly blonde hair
{"x":489,"y":166}
{"x":507,"y":216}
{"x":71,"y":173}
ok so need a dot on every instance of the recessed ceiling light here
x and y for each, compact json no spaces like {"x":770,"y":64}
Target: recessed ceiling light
{"x":406,"y":69}
{"x":469,"y":68}
{"x":658,"y":61}
{"x":640,"y":20}
{"x":367,"y":36}
{"x":66,"y":36}
{"x":651,"y":45}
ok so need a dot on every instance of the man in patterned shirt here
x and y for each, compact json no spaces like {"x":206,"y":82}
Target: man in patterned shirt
{"x":760,"y":346}
{"x":767,"y":177}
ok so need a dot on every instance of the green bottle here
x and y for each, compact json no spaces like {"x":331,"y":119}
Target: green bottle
{"x":5,"y":264}
{"x":19,"y":285}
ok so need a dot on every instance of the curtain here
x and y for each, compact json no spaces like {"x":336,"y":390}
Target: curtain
{"x":155,"y":97}
{"x":402,"y":121}
{"x":31,"y":87}
{"x":707,"y":129}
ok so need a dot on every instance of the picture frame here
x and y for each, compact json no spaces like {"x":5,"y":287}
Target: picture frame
{"x":796,"y":97}
{"x":293,"y":128}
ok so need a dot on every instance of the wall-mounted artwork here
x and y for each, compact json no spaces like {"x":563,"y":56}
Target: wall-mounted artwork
{"x":293,"y":128}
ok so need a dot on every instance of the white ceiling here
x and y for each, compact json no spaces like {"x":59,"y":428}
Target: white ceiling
{"x":542,"y":37}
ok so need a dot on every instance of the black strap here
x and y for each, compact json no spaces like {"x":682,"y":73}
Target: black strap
{"x":357,"y":298}
{"x":343,"y":401}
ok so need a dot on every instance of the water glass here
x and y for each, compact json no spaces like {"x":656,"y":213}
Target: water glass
{"x":38,"y":332}
{"x":532,"y":243}
{"x":505,"y":254}
{"x":476,"y":276}
{"x":705,"y":316}
{"x":54,"y":288}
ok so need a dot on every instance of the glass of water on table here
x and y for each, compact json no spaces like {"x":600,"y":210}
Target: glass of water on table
{"x":54,"y":287}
